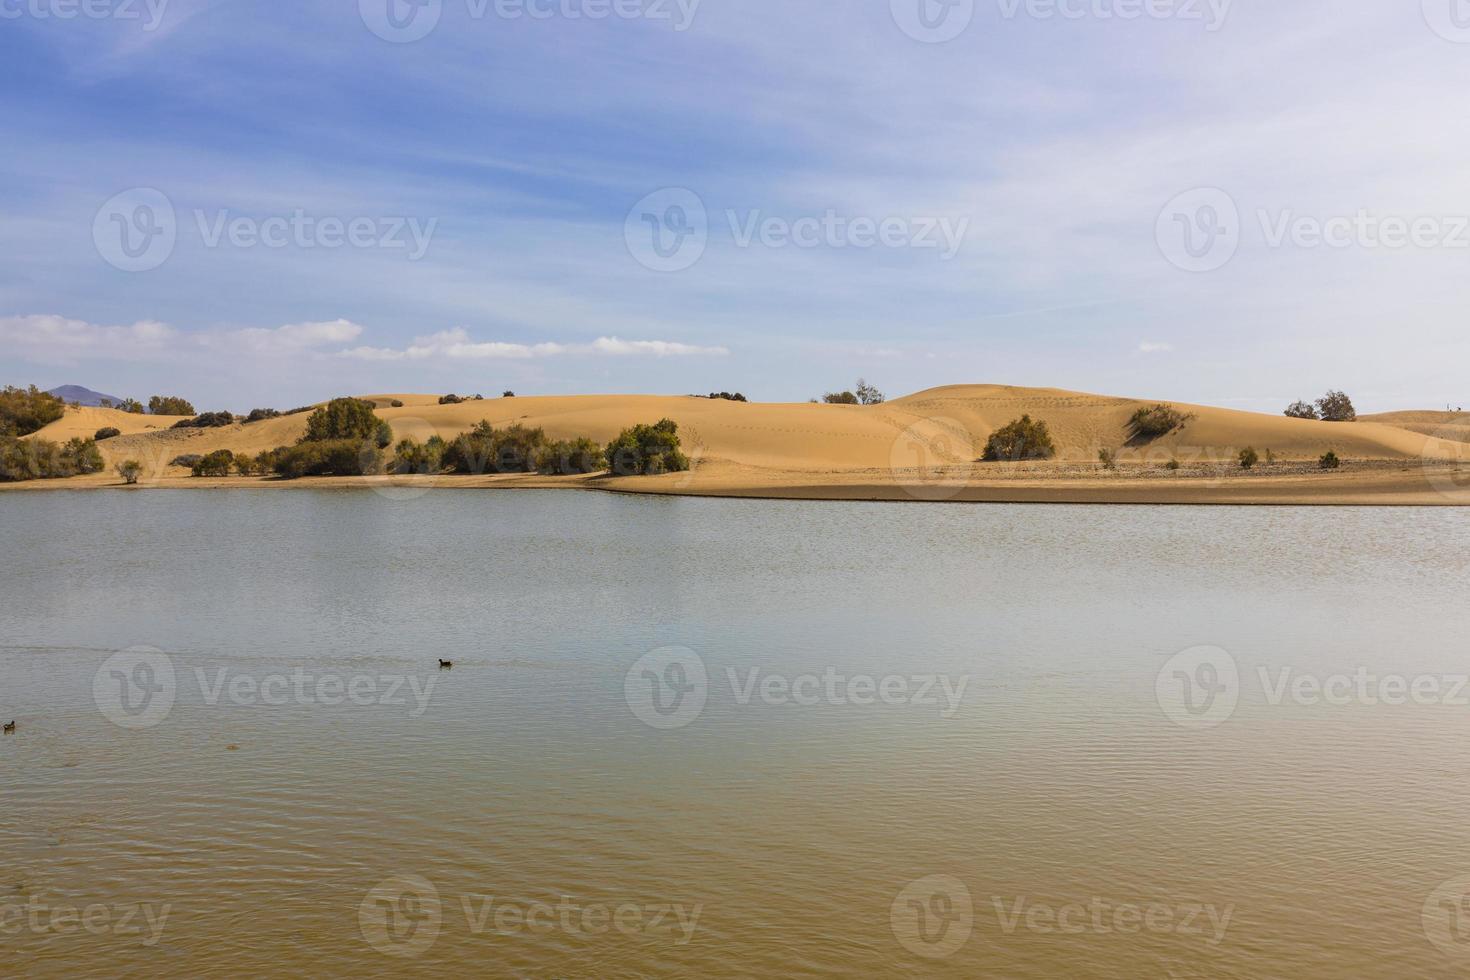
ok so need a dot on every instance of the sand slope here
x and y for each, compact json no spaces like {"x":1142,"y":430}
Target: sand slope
{"x":840,"y":450}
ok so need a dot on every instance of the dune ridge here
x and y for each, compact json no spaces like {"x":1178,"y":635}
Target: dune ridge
{"x":905,"y":448}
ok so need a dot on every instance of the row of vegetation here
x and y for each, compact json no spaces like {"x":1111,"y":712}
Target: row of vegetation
{"x":42,"y":459}
{"x":347,"y":438}
{"x":865,"y":394}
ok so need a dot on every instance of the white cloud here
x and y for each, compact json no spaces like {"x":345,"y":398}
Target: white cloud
{"x":296,"y":336}
{"x":456,"y":345}
{"x":52,"y":338}
{"x":1151,"y":347}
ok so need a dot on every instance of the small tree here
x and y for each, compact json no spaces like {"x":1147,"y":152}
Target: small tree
{"x":132,"y":406}
{"x":508,"y":394}
{"x":1020,"y":440}
{"x":245,"y":465}
{"x":867,"y":394}
{"x":647,"y":450}
{"x":840,"y":398}
{"x":217,"y":463}
{"x":1335,"y":406}
{"x":25,"y":410}
{"x":169,"y":405}
{"x":1329,"y":461}
{"x":107,"y":432}
{"x":1248,"y":458}
{"x":570,"y":458}
{"x":347,"y":418}
{"x":130,"y":470}
{"x":1151,"y":423}
{"x":450,"y":400}
{"x":423,"y":459}
{"x":1302,"y":410}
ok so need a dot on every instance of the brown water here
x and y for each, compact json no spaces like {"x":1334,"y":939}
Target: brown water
{"x":573,"y":799}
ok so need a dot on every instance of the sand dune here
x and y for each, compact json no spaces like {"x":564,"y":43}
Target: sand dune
{"x":931,"y":438}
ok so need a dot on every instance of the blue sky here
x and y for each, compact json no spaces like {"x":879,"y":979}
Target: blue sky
{"x":1107,"y":195}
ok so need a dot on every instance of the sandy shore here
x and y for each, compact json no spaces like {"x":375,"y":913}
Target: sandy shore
{"x":920,"y":448}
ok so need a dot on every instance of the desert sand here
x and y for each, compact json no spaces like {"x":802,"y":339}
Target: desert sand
{"x":924,"y":446}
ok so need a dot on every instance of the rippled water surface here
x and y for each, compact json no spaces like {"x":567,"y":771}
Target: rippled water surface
{"x":655,"y":756}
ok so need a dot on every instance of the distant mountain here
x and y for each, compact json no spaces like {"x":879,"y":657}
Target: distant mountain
{"x":82,"y":396}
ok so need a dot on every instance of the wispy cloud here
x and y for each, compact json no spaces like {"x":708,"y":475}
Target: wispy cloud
{"x":1152,"y":347}
{"x":456,"y":345}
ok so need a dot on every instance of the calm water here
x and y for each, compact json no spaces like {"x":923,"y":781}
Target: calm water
{"x":727,"y":738}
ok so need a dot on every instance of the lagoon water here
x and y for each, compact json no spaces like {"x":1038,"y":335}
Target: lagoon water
{"x":729,"y":738}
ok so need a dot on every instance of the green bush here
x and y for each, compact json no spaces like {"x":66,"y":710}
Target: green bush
{"x":507,"y":394}
{"x":347,"y":418}
{"x":169,"y":405}
{"x":217,"y":463}
{"x":1335,"y":406}
{"x":840,"y":398}
{"x":1301,"y":410}
{"x":208,"y":420}
{"x":327,"y":457}
{"x":1108,"y":460}
{"x":1020,"y":440}
{"x":486,"y":450}
{"x":41,"y":459}
{"x":1329,"y":461}
{"x":727,"y":396}
{"x":187,"y":460}
{"x":570,"y":457}
{"x":395,"y":403}
{"x":26,"y":410}
{"x":1248,"y":458}
{"x":132,"y":406}
{"x":107,"y":432}
{"x":129,"y":470}
{"x":1172,"y":464}
{"x":450,"y":400}
{"x":246,"y":465}
{"x":646,"y":450}
{"x":424,"y":459}
{"x":261,"y":414}
{"x":1152,"y":423}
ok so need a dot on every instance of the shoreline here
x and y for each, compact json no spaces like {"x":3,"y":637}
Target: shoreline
{"x":1382,"y":486}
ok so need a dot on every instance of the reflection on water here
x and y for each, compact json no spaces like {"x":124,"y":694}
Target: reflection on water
{"x":729,"y":738}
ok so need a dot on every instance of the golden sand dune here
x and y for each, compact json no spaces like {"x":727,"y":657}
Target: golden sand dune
{"x":85,"y":422}
{"x":925,"y":445}
{"x":1443,"y":425}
